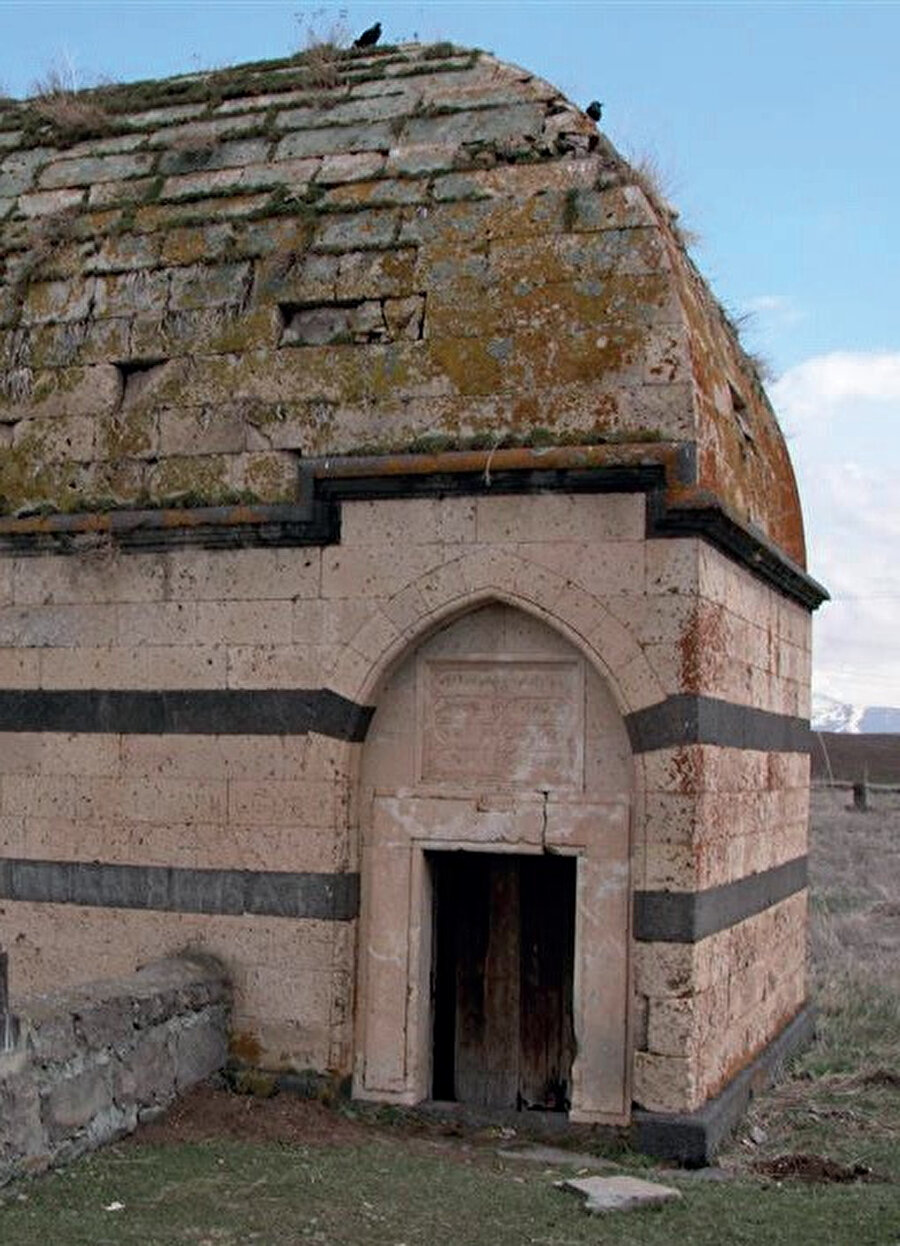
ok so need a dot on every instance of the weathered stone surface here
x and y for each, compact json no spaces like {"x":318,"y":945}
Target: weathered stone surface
{"x":89,"y":169}
{"x":603,"y":1194}
{"x":21,"y":1132}
{"x":74,"y":1100}
{"x":147,"y":1076}
{"x":328,"y":140}
{"x":199,"y":1048}
{"x":18,"y":169}
{"x":99,"y":1055}
{"x":106,"y":1022}
{"x":350,"y":168}
{"x":368,"y":229}
{"x":454,"y":129}
{"x":50,"y":202}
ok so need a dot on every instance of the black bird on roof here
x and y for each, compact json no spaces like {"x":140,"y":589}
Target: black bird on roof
{"x":594,"y":110}
{"x":369,"y":37}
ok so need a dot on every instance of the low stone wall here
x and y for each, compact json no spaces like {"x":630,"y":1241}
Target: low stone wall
{"x":93,"y":1061}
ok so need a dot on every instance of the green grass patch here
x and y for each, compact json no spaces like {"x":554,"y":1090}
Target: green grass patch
{"x":385,"y":1193}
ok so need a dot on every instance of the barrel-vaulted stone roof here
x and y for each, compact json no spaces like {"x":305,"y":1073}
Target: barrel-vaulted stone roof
{"x":209,"y":279}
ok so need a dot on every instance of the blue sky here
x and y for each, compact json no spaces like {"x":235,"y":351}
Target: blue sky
{"x":775,"y":129}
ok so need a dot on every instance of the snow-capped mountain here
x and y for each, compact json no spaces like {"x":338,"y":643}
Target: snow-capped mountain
{"x":831,"y":715}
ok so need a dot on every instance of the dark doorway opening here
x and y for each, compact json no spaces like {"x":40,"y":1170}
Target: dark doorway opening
{"x":504,"y":950}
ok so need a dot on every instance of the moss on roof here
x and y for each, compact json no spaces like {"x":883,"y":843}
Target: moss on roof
{"x":206,"y":278}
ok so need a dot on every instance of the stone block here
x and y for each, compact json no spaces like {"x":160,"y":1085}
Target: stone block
{"x":21,"y":1129}
{"x":284,"y":803}
{"x":64,"y":626}
{"x":664,"y":969}
{"x":19,"y":668}
{"x":252,"y":575}
{"x":124,"y":253}
{"x":59,"y":438}
{"x":605,"y":1194}
{"x":113,"y":194}
{"x":86,"y":170}
{"x":330,"y":140}
{"x":358,"y":230}
{"x":196,"y":134}
{"x":358,"y":572}
{"x":47,"y":301}
{"x":71,"y":1102}
{"x":274,"y":666}
{"x":145,"y":1075}
{"x":106,"y":1021}
{"x":350,"y":168}
{"x":39,"y":796}
{"x":246,"y":622}
{"x":229,"y":154}
{"x":157,"y":623}
{"x":206,"y":286}
{"x":50,"y":202}
{"x":51,"y":1033}
{"x":560,"y":517}
{"x":665,"y":1083}
{"x":420,"y":159}
{"x":199,"y":1047}
{"x":672,"y":1027}
{"x":131,"y":293}
{"x":18,"y":169}
{"x":164,"y":116}
{"x":517,"y":121}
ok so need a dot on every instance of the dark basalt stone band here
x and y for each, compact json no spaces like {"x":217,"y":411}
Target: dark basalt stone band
{"x":687,"y":718}
{"x":325,"y":897}
{"x":681,"y":719}
{"x":185,"y":712}
{"x":689,"y":916}
{"x":693,"y":1138}
{"x":659,"y":916}
{"x":317,"y":520}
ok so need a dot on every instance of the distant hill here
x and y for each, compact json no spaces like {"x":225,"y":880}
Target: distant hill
{"x":839,"y":716}
{"x":848,"y":757}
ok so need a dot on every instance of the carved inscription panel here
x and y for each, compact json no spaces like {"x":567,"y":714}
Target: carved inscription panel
{"x":502,"y":722}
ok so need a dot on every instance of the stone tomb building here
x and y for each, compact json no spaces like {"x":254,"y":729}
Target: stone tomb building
{"x":402,"y":591}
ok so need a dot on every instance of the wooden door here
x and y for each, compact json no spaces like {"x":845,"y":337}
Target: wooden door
{"x":502,"y":982}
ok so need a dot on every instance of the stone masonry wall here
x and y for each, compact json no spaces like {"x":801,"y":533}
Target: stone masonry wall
{"x":715,"y":815}
{"x":705,"y":815}
{"x":94,"y":1060}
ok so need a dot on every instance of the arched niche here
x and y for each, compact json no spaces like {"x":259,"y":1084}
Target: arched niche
{"x":494,"y":805}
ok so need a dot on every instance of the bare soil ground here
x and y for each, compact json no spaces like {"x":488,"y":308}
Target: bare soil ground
{"x":212,"y":1111}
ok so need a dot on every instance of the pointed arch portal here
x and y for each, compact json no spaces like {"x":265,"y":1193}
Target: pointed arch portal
{"x":494,"y":804}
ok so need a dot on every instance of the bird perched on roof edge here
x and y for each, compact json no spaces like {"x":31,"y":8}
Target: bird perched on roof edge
{"x":594,"y":110}
{"x":369,"y":37}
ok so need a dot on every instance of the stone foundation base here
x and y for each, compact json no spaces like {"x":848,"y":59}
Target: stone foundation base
{"x":693,"y":1138}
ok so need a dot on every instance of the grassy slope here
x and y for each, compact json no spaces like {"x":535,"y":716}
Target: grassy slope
{"x":842,"y":1101}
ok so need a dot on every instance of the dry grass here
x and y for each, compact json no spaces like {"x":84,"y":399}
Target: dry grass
{"x":855,"y":928}
{"x":57,"y":99}
{"x":646,"y":172}
{"x":325,"y":43}
{"x":842,"y":1099}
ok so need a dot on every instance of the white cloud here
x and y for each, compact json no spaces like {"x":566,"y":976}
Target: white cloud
{"x":822,"y":387}
{"x":780,"y":309}
{"x":844,"y":411}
